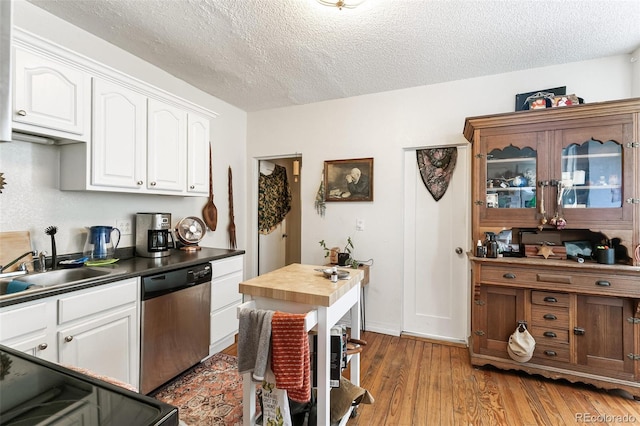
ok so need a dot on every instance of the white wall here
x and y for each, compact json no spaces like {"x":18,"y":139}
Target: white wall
{"x":635,"y":71}
{"x":31,"y":200}
{"x":381,"y":126}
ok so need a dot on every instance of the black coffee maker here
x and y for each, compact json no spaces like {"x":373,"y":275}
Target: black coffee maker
{"x":153,"y":235}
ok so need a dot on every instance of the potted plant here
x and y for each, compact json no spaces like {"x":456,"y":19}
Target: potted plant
{"x":344,"y":256}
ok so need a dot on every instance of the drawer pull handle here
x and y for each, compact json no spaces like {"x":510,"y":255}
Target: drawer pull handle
{"x":550,"y":353}
{"x":68,"y":339}
{"x":603,"y":283}
{"x":509,"y":276}
{"x":578,"y":331}
{"x":550,"y":299}
{"x":549,"y":334}
{"x":550,"y":317}
{"x":22,"y":112}
{"x":43,"y":346}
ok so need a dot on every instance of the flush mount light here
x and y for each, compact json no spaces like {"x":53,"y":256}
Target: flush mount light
{"x":347,"y":4}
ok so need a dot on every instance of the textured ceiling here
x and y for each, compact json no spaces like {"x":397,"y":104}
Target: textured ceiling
{"x":260,"y":54}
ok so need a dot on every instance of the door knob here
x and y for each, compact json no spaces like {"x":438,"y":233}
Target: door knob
{"x":459,"y":250}
{"x":68,"y":339}
{"x":42,"y":346}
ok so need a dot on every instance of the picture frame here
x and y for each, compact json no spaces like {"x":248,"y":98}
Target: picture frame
{"x":523,"y":99}
{"x":348,"y":180}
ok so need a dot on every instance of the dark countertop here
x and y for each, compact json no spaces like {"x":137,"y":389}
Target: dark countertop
{"x":128,"y":266}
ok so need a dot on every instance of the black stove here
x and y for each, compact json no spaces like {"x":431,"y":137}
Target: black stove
{"x":34,"y":391}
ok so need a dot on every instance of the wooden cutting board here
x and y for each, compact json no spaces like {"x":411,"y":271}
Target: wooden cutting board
{"x":12,"y":245}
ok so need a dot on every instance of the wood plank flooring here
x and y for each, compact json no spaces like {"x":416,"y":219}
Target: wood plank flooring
{"x":418,"y":382}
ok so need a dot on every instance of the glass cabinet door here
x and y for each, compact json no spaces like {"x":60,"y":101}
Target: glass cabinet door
{"x":508,"y":167}
{"x":593,"y":170}
{"x":592,"y":175}
{"x":511,"y":178}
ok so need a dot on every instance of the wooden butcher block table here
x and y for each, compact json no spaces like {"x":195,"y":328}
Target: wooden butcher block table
{"x":300,"y":289}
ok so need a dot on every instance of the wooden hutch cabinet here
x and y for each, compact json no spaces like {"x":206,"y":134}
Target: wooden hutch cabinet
{"x":551,"y":176}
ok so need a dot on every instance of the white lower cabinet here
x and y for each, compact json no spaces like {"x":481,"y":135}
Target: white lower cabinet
{"x":98,"y":330}
{"x":30,"y":327}
{"x":95,"y":329}
{"x":225,"y":298}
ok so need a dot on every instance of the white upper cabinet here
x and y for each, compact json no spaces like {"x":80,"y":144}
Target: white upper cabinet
{"x":166,"y":147}
{"x":119,"y":136}
{"x":131,"y":136}
{"x":50,"y":98}
{"x":198,"y":156}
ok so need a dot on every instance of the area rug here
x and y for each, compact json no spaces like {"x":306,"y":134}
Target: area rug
{"x":208,"y":394}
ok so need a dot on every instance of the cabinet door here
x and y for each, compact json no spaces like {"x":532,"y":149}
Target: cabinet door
{"x":496,"y":313}
{"x":604,"y":336}
{"x":118,"y":154}
{"x":50,"y":95}
{"x":594,"y":167}
{"x":167,"y":147}
{"x":508,"y":164}
{"x":105,"y":345}
{"x":30,"y":327}
{"x":198,"y":157}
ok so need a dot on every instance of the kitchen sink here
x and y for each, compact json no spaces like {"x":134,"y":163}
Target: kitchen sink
{"x":60,"y":276}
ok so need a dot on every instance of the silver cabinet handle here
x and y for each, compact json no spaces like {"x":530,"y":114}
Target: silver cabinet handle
{"x":68,"y":339}
{"x":22,"y":112}
{"x":458,"y":250}
{"x":139,"y":182}
{"x":153,"y":184}
{"x":42,"y":346}
{"x":192,"y":187}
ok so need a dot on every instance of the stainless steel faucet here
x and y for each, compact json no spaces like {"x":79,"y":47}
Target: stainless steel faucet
{"x":13,"y":262}
{"x":42,"y":260}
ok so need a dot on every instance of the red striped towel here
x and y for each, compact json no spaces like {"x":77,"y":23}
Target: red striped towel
{"x":290,"y":355}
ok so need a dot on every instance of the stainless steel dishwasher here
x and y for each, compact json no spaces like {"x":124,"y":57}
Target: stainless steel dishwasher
{"x":176,"y":322}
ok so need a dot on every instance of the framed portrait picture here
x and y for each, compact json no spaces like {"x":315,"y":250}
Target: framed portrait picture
{"x":348,"y":180}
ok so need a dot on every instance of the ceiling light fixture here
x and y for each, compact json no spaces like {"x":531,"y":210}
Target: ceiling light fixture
{"x":347,"y":4}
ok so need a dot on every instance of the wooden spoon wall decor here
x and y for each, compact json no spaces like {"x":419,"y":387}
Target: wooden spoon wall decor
{"x":210,"y":211}
{"x":232,"y":225}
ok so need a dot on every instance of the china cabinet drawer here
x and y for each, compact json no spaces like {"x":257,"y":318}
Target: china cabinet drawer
{"x":549,"y":298}
{"x":550,"y":352}
{"x":546,"y":316}
{"x":549,"y":335}
{"x":579,"y":282}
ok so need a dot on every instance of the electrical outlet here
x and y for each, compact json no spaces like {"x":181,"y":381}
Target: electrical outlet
{"x":124,"y":225}
{"x":359,"y":224}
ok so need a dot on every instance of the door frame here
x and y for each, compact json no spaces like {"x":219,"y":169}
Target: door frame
{"x":253,"y":206}
{"x":409,"y":220}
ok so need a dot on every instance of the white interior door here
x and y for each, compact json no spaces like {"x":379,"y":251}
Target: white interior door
{"x":436,"y":235}
{"x":272,"y":249}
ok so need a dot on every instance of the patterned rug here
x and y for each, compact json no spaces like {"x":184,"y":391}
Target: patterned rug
{"x":208,"y":394}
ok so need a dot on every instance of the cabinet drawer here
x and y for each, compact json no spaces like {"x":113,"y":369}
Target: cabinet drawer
{"x":547,"y":298}
{"x":550,"y":335}
{"x":578,"y":282}
{"x":224,"y":291}
{"x":97,"y":300}
{"x":550,"y":352}
{"x":224,"y":323}
{"x":23,"y":320}
{"x":227,"y":266}
{"x":549,"y":316}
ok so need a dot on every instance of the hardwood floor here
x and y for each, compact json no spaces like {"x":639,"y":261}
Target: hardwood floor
{"x":417,"y":382}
